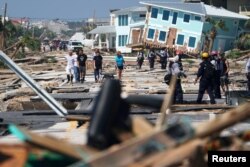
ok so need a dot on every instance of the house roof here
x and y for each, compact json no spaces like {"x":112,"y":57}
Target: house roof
{"x":221,"y":12}
{"x":103,"y":30}
{"x":131,"y":9}
{"x":195,"y":8}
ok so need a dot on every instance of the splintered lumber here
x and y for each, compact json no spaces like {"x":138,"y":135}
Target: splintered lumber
{"x":58,"y":108}
{"x":167,"y":102}
{"x":13,"y":155}
{"x":228,"y":119}
{"x":16,"y":93}
{"x":47,"y":143}
{"x":4,"y":81}
{"x":140,"y":126}
{"x":174,"y":155}
{"x":71,"y":90}
{"x":77,"y":118}
{"x":12,"y":86}
{"x":68,"y":96}
{"x":159,"y":141}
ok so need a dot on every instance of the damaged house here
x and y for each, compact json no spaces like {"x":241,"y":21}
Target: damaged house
{"x":185,"y":25}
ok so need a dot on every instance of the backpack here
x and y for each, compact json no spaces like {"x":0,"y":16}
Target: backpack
{"x":209,"y":70}
{"x":167,"y":78}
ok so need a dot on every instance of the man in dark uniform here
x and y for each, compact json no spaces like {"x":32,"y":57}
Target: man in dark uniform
{"x":163,"y":58}
{"x":151,"y":58}
{"x":206,"y":75}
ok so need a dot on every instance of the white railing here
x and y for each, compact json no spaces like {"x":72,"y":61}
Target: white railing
{"x":137,"y":20}
{"x":244,"y":9}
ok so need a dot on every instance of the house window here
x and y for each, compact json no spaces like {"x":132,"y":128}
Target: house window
{"x":198,"y":18}
{"x":180,"y":39}
{"x":162,"y":36}
{"x":165,"y":15}
{"x":122,"y":40}
{"x":175,"y":15}
{"x":191,"y":42}
{"x":154,"y":13}
{"x":142,"y":15}
{"x":186,"y":18}
{"x":151,"y":33}
{"x":123,"y":20}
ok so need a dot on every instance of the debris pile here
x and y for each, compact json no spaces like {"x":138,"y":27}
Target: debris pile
{"x":128,"y":123}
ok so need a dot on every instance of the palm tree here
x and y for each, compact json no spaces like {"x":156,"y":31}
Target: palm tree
{"x":247,"y":24}
{"x":216,"y":25}
{"x":6,"y":31}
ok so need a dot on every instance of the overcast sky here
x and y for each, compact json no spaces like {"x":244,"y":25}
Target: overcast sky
{"x":63,"y":9}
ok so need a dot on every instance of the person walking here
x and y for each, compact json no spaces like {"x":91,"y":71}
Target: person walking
{"x":224,"y":69}
{"x":163,"y":58}
{"x":206,"y":74}
{"x":82,"y":58}
{"x":76,"y":68}
{"x":140,"y":58}
{"x":97,"y":64}
{"x":174,"y":69}
{"x":120,"y":63}
{"x":248,"y":75}
{"x":70,"y":67}
{"x":151,"y":58}
{"x":216,"y":62}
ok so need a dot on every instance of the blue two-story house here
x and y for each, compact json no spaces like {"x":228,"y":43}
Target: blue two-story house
{"x":183,"y":25}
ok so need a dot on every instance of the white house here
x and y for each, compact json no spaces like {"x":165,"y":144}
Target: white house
{"x":126,"y":27}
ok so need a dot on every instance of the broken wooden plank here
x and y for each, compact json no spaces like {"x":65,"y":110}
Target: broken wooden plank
{"x":140,"y":126}
{"x":167,"y":102}
{"x":68,"y":96}
{"x":48,"y":143}
{"x":13,"y":155}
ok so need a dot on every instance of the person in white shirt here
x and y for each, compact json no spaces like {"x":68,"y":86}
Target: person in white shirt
{"x":70,"y":66}
{"x":176,"y":57}
{"x":248,"y":74}
{"x":76,"y":68}
{"x":174,"y":69}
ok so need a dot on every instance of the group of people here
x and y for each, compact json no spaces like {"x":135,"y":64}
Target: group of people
{"x":151,"y":56}
{"x":76,"y":65}
{"x":212,"y":73}
{"x":213,"y":76}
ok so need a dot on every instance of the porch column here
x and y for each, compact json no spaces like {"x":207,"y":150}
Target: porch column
{"x":107,"y":41}
{"x":100,"y":42}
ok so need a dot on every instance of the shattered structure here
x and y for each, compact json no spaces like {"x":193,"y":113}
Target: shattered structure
{"x":113,"y":123}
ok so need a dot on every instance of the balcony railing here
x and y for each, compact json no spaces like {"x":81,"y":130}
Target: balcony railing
{"x":244,"y":9}
{"x":137,"y":20}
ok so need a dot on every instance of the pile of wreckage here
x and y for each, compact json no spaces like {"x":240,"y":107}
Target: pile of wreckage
{"x":119,"y":136}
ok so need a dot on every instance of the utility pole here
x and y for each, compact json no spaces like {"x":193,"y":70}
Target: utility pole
{"x":93,"y":19}
{"x":5,"y":13}
{"x":2,"y":46}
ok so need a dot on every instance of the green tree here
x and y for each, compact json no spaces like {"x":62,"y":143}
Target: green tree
{"x":247,"y":24}
{"x":216,"y":25}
